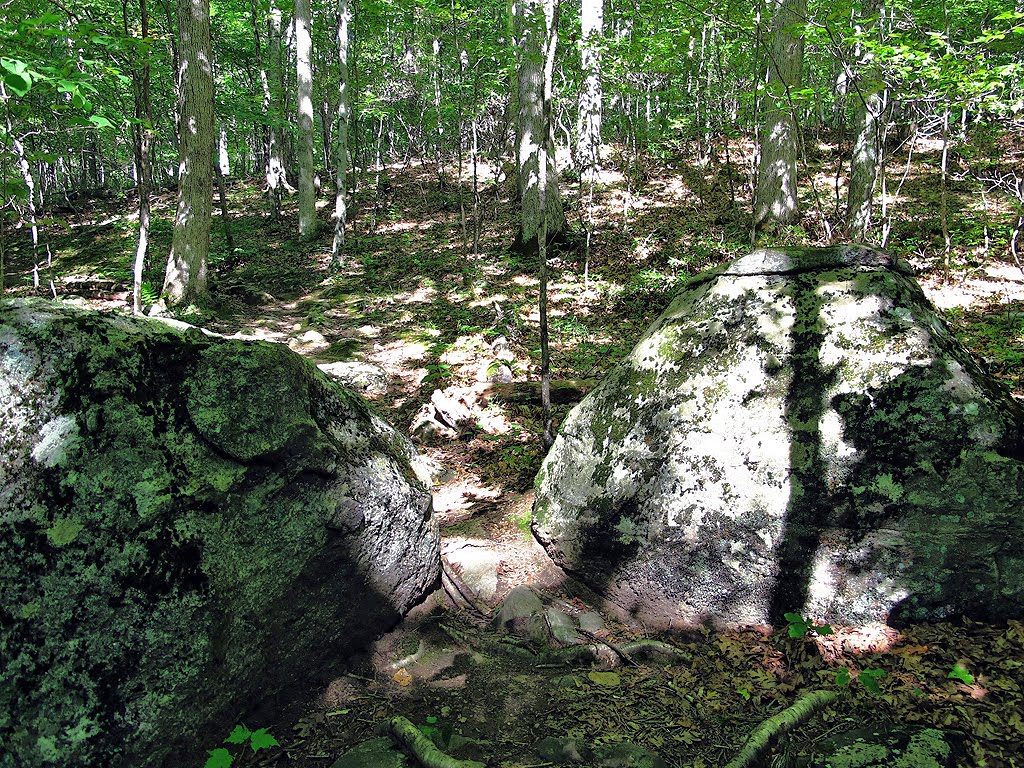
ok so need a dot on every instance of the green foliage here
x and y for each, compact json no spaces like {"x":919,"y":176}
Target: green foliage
{"x":959,"y":672}
{"x":801,"y":627}
{"x":240,"y":736}
{"x":438,"y":732}
{"x":438,"y":375}
{"x":867,"y":677}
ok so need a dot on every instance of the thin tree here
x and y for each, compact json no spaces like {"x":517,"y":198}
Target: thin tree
{"x":869,"y":107}
{"x":304,"y":92}
{"x":588,"y":129}
{"x":344,"y":115}
{"x":775,"y":196}
{"x":185,"y":279}
{"x":142,"y":137}
{"x":536,"y":27}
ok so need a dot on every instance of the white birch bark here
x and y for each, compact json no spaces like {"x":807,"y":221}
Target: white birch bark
{"x":304,"y":93}
{"x":588,"y":140}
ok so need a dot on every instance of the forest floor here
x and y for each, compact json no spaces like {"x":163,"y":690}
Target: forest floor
{"x":415,"y":301}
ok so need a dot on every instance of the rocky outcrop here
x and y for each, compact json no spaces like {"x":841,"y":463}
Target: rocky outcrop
{"x":798,"y":431}
{"x":190,"y":526}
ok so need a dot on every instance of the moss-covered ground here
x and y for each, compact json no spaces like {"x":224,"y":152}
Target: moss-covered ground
{"x":417,"y":300}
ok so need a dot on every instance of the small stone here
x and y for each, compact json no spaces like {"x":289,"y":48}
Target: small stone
{"x":520,"y":612}
{"x":562,"y":750}
{"x":561,"y":627}
{"x":591,"y":621}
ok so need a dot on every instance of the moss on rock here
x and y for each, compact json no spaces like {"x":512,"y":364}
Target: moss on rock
{"x":179,"y":513}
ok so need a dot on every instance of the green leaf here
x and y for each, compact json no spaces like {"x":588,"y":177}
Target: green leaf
{"x":261,"y":739}
{"x":219,"y":758}
{"x":100,"y":122}
{"x":19,"y":83}
{"x":239,"y":735}
{"x":608,"y":679}
{"x":959,"y":672}
{"x":869,"y":679}
{"x":843,"y":676}
{"x":744,"y":693}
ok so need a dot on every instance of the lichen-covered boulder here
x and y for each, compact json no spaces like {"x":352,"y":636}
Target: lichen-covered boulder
{"x":191,"y":529}
{"x":797,"y":432}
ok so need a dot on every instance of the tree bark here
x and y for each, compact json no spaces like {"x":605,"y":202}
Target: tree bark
{"x":304,"y":93}
{"x":537,"y":35}
{"x":185,"y":280}
{"x":588,"y":140}
{"x":866,"y":160}
{"x":142,"y":136}
{"x":344,"y":115}
{"x":775,"y":198}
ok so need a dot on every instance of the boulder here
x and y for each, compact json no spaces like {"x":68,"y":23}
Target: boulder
{"x":192,"y":527}
{"x":798,"y":431}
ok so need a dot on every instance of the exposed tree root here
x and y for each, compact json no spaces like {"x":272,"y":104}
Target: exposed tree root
{"x":783,"y":722}
{"x":423,"y":749}
{"x":627,"y":652}
{"x":461,"y":595}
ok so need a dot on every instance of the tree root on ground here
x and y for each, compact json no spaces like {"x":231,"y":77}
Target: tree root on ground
{"x":423,"y":749}
{"x":627,"y":652}
{"x":785,"y":721}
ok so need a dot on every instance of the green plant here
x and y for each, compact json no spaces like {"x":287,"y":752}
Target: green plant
{"x":438,"y":732}
{"x":959,"y":672}
{"x":148,"y":294}
{"x":868,"y":678}
{"x":800,"y":627}
{"x":240,"y":736}
{"x":437,"y":374}
{"x":495,"y":365}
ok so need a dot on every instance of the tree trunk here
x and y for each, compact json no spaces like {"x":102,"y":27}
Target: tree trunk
{"x":304,"y":93}
{"x":588,"y":139}
{"x":867,"y":146}
{"x":342,"y":160}
{"x":537,"y":33}
{"x":185,"y":279}
{"x":775,"y":198}
{"x":142,"y":137}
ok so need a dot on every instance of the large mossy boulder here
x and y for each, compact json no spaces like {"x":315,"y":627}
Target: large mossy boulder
{"x":799,"y":431}
{"x":191,"y":528}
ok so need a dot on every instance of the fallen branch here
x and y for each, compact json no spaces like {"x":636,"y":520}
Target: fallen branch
{"x":785,"y":721}
{"x":423,"y":749}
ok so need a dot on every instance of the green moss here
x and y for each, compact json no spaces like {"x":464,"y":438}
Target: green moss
{"x":860,"y":755}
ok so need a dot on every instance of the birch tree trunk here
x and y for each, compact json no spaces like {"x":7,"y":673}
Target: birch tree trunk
{"x":775,"y":198}
{"x":304,"y":93}
{"x":588,"y":139}
{"x":536,"y":29}
{"x":142,"y":136}
{"x":185,"y":279}
{"x":342,"y":160}
{"x":866,"y":159}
